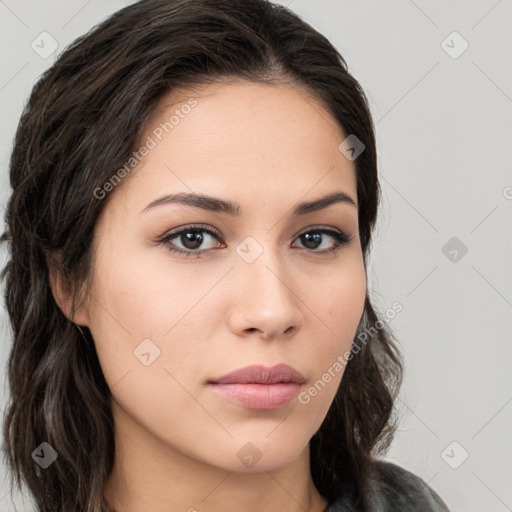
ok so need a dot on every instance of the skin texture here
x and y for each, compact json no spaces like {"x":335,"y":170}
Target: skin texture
{"x":267,"y":148}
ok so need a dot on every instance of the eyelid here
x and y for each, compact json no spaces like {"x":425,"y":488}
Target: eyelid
{"x":213,"y":231}
{"x":184,"y":227}
{"x":316,"y":227}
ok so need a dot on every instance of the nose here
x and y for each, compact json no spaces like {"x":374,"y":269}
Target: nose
{"x":264,"y":302}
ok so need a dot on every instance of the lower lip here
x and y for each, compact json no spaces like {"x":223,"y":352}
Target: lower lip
{"x":259,"y":396}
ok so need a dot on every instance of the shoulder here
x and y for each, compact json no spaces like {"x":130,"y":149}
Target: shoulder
{"x":397,"y":489}
{"x":394,"y":489}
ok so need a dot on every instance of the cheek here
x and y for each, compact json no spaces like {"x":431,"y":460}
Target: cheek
{"x":340,"y":306}
{"x":146,"y":317}
{"x":143,"y":333}
{"x":342,"y":299}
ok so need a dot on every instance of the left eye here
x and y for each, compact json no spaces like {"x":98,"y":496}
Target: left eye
{"x":192,"y":238}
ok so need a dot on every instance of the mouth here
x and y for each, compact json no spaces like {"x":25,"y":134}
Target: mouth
{"x":259,"y":374}
{"x":259,"y":387}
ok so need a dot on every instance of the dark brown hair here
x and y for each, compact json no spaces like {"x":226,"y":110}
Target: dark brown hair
{"x":84,"y":118}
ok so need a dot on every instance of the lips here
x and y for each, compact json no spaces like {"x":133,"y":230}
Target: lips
{"x":258,"y":374}
{"x":259,"y":387}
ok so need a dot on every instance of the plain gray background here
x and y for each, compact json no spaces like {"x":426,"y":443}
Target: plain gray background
{"x":443,"y":114}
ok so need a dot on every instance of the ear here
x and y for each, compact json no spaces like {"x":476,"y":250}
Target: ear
{"x":62,"y":295}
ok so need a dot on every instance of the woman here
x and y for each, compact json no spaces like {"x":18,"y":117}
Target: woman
{"x":194,"y":193}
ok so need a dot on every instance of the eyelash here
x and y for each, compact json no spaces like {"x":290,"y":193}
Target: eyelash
{"x":341,"y":239}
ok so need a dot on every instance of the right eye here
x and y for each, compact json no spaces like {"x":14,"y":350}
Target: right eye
{"x":191,"y":238}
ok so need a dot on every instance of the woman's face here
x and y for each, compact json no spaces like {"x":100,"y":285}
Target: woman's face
{"x":255,"y":292}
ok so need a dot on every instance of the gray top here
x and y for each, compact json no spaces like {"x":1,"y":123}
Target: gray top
{"x":393,"y":489}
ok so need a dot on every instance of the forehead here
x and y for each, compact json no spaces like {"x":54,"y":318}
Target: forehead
{"x":236,"y":103}
{"x":242,"y":137}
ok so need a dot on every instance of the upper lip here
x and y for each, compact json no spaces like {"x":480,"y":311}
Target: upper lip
{"x":259,"y":374}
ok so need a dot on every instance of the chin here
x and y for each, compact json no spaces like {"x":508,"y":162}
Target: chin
{"x":261,"y":455}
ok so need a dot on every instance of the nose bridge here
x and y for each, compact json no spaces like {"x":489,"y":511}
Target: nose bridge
{"x":261,"y":265}
{"x":264,"y":299}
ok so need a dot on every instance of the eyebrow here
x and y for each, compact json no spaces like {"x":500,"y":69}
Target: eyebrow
{"x":215,"y":204}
